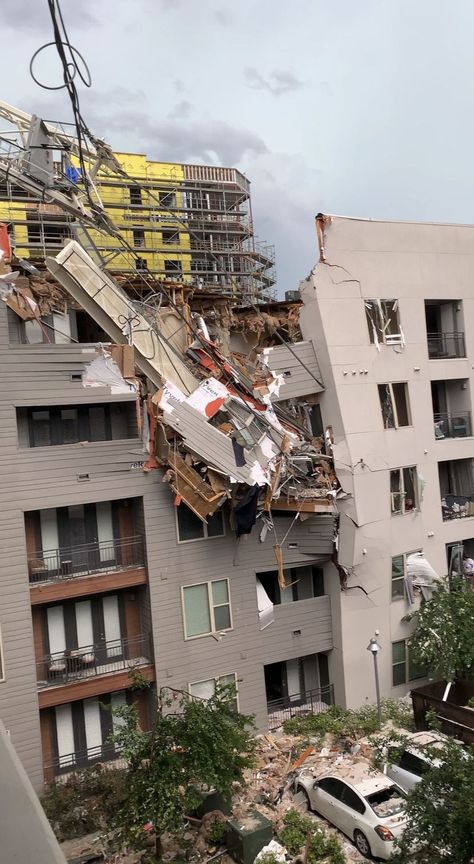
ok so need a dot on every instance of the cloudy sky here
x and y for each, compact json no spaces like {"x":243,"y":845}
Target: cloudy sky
{"x":357,"y":108}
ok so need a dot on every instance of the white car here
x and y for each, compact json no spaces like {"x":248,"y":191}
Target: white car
{"x":406,"y":763}
{"x":363,"y":803}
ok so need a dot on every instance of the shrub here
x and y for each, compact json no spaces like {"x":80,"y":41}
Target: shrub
{"x":299,"y":830}
{"x":84,"y":802}
{"x":343,"y":723}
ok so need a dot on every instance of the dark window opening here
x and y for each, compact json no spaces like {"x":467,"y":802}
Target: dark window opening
{"x":167,"y":200}
{"x":170,"y":237}
{"x":138,"y":237}
{"x":135,"y":195}
{"x":54,"y":426}
{"x":190,"y":527}
{"x":173,"y":269}
{"x":304,"y":583}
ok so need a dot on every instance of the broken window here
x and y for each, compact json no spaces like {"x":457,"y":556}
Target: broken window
{"x":404,"y":490}
{"x":383,"y":322}
{"x":138,"y":237}
{"x":206,"y":608}
{"x":303,"y":584}
{"x":399,"y":572}
{"x":190,"y":526}
{"x":395,"y":405}
{"x":404,"y":668}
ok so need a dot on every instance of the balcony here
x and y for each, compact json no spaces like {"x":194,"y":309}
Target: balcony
{"x":452,"y":425}
{"x":299,"y":705}
{"x":107,"y":753}
{"x":456,"y":482}
{"x":445,"y":346}
{"x":56,"y":565}
{"x":119,"y":655}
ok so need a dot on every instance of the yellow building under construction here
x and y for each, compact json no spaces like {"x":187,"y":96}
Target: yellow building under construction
{"x":190,"y":223}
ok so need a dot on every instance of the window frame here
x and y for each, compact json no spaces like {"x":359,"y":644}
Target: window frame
{"x":396,"y":422}
{"x":404,"y":556}
{"x":211,"y":607}
{"x":217,"y":678}
{"x":402,"y":491}
{"x":205,"y":528}
{"x":407,"y":664}
{"x":383,"y":314}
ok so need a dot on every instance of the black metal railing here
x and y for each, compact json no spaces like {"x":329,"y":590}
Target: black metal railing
{"x":446,"y":345}
{"x":453,"y":425}
{"x":457,"y":506}
{"x":71,"y":762}
{"x":307,"y":702}
{"x":102,"y":658}
{"x":71,"y":562}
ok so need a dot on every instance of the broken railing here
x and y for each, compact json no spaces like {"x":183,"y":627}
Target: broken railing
{"x":66,"y":666}
{"x":300,"y":704}
{"x":453,"y":425}
{"x":70,"y":562}
{"x":446,"y":345}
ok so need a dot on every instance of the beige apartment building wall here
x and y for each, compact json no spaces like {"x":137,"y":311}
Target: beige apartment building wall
{"x":409,"y":262}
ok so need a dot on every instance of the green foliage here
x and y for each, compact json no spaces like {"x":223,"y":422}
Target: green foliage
{"x":440,"y":811}
{"x":85,"y":802}
{"x":299,"y":830}
{"x":201,"y":744}
{"x":267,"y":858}
{"x":217,"y":831}
{"x":344,"y":724}
{"x":444,"y":636}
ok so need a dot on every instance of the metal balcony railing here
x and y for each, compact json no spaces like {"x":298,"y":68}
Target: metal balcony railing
{"x":70,"y":562}
{"x":457,"y":506}
{"x":446,"y":345}
{"x":70,"y":762}
{"x":91,"y":660}
{"x":457,"y":425}
{"x":307,"y":702}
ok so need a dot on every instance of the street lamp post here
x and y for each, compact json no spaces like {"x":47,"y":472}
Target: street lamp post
{"x":374,"y":649}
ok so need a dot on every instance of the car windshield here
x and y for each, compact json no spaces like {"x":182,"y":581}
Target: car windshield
{"x":386,"y":802}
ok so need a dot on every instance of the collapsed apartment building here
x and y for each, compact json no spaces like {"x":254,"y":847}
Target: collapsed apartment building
{"x":206,"y":485}
{"x":169,"y":494}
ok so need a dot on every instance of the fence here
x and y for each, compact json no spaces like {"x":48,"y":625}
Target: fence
{"x":301,"y":704}
{"x":74,"y":561}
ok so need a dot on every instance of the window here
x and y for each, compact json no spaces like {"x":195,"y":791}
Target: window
{"x":412,"y":763}
{"x":135,"y":195}
{"x":173,"y":269}
{"x":170,"y":237}
{"x":44,"y":427}
{"x":404,"y":669}
{"x":207,"y":689}
{"x":206,"y":608}
{"x":394,"y":404}
{"x":138,"y":237}
{"x":399,"y":572}
{"x":383,"y":322}
{"x":303,"y":584}
{"x":167,"y":199}
{"x":332,"y":786}
{"x":352,"y":800}
{"x":404,"y":490}
{"x":190,"y":526}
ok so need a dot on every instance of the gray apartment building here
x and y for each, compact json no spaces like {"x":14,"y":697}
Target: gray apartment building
{"x":390,"y":309}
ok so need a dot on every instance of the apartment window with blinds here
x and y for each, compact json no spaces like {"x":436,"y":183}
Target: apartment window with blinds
{"x":190,"y":527}
{"x":394,"y":405}
{"x":207,"y":689}
{"x":404,"y":669}
{"x":206,"y":608}
{"x":403,"y":490}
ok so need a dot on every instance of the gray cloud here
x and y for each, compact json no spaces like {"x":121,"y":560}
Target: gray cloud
{"x":223,"y":17}
{"x":279,"y":82}
{"x":181,"y":109}
{"x":32,"y":16}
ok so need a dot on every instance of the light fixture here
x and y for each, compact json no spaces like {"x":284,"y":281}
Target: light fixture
{"x":374,"y":649}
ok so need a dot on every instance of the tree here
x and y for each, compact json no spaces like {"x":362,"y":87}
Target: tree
{"x":440,"y":811}
{"x":193,"y":744}
{"x":443,"y":641}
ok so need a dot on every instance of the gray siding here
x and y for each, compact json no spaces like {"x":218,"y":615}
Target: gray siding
{"x":298,"y":381}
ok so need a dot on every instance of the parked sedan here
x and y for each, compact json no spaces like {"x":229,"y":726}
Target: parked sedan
{"x":406,"y":764}
{"x":364,"y":804}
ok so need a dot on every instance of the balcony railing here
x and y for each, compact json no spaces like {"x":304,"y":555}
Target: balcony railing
{"x":70,"y":562}
{"x":100,"y":659}
{"x":457,"y":506}
{"x":301,"y":704}
{"x":71,"y":762}
{"x":450,"y":425}
{"x":446,"y":345}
